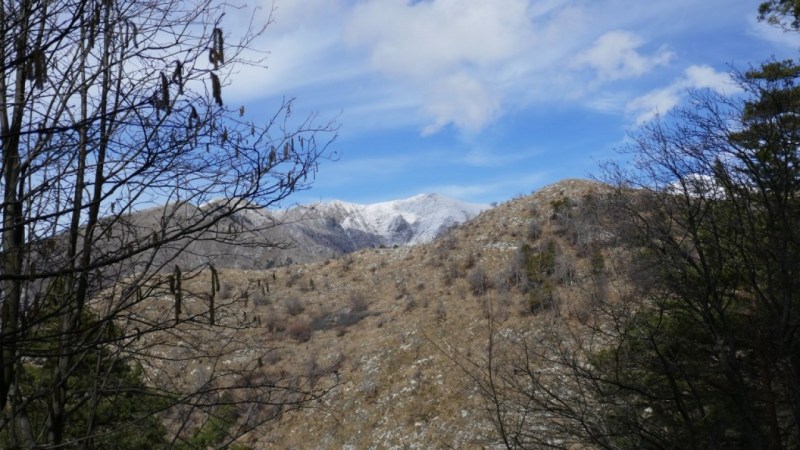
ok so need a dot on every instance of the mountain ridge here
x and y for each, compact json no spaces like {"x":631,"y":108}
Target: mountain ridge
{"x":413,"y":220}
{"x":308,"y":233}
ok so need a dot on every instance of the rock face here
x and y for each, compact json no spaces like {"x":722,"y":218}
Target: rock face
{"x":315,"y":232}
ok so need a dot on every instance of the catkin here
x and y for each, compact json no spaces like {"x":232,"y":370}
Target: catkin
{"x":165,"y":93}
{"x":219,"y":45}
{"x":175,"y":287}
{"x":216,"y":88}
{"x":213,"y":295}
{"x":177,"y":76}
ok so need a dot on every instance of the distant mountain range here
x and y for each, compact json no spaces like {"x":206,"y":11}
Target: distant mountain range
{"x":324,"y":230}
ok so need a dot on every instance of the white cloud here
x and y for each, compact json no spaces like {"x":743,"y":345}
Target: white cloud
{"x":660,"y":101}
{"x":615,"y":55}
{"x":654,"y":103}
{"x":462,"y":100}
{"x":428,"y":38}
{"x":465,"y":64}
{"x":451,"y":50}
{"x":705,"y":77}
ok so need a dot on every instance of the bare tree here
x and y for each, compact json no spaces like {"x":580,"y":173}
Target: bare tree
{"x":109,"y":108}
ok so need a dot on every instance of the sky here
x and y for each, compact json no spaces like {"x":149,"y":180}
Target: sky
{"x":485,"y":100}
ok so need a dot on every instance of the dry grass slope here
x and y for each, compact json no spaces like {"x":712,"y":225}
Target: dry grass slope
{"x":392,"y":322}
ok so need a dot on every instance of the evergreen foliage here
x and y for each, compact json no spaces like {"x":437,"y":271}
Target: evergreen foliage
{"x":107,"y":402}
{"x":710,"y":358}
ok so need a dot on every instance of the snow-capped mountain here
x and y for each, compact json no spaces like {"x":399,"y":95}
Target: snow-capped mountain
{"x":410,"y":221}
{"x":266,"y":238}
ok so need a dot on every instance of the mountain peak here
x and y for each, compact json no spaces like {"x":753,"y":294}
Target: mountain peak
{"x":422,"y":216}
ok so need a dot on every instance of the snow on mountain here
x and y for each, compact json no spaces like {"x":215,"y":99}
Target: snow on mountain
{"x":267,"y":238}
{"x":410,"y":221}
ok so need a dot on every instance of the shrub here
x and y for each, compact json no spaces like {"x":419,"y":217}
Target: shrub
{"x":259,"y":298}
{"x":227,"y":291}
{"x":299,"y":330}
{"x":293,"y":278}
{"x":541,"y":298}
{"x":469,"y":261}
{"x":294,"y":307}
{"x":561,"y":207}
{"x":564,"y":269}
{"x":411,"y":303}
{"x":358,"y":302}
{"x":451,"y":272}
{"x":273,"y":322}
{"x":597,"y":262}
{"x":370,"y":387}
{"x":478,"y":282}
{"x":540,"y":264}
{"x":533,"y":231}
{"x":440,"y":312}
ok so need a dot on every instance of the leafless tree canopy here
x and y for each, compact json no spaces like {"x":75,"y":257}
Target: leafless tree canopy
{"x":110,"y":108}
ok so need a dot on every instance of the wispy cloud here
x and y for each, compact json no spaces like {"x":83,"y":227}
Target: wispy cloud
{"x":660,"y":101}
{"x":449,"y":49}
{"x":773,"y":34}
{"x":465,"y":64}
{"x":616,"y":55}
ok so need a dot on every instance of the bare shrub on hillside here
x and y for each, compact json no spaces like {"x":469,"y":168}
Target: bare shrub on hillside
{"x":299,"y":330}
{"x":565,"y":271}
{"x":501,"y":281}
{"x":451,"y":272}
{"x":259,"y":298}
{"x":411,"y":303}
{"x":294,"y":306}
{"x":478,"y":281}
{"x":347,"y":263}
{"x":293,"y":278}
{"x":273,"y":321}
{"x":533,"y":231}
{"x":370,"y":387}
{"x":440,"y":312}
{"x":227,"y":290}
{"x":358,"y":302}
{"x":469,"y":261}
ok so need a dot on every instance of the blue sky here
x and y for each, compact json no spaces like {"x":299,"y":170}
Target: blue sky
{"x":483,"y":100}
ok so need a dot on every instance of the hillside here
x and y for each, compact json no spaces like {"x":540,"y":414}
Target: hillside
{"x":395,"y":323}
